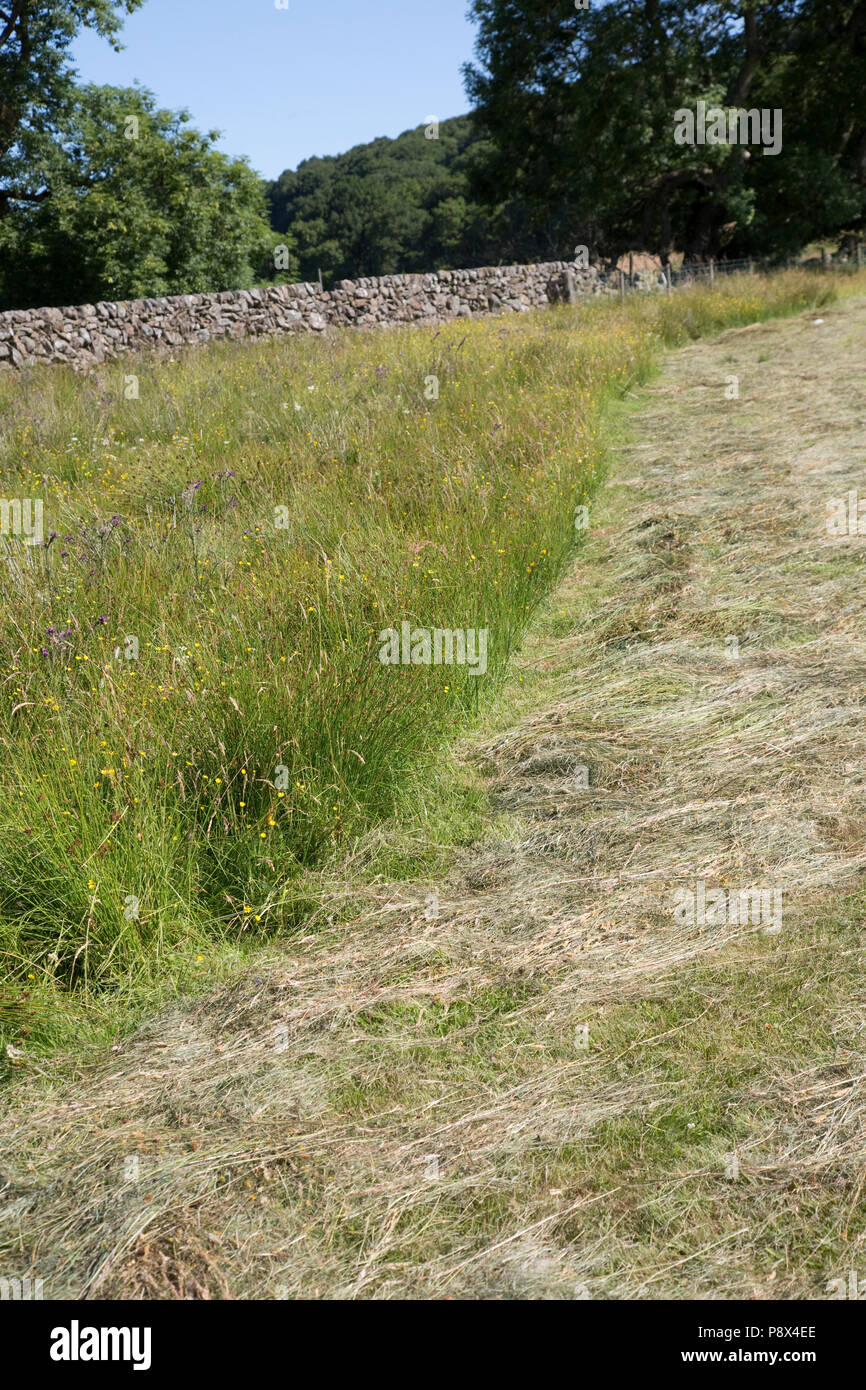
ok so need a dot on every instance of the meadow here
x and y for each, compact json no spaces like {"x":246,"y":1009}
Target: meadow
{"x":194,"y":718}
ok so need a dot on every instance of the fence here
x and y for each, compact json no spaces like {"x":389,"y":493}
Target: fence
{"x":693,"y":273}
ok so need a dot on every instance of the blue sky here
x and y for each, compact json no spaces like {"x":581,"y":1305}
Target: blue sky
{"x":282,"y":85}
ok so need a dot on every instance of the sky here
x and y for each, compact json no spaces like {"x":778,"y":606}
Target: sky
{"x":284,"y":84}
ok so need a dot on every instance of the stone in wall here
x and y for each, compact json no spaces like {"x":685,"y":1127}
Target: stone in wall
{"x":85,"y":335}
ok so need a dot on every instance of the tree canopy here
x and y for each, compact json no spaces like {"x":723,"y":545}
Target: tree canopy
{"x":140,"y":204}
{"x":578,"y":106}
{"x":389,"y":206}
{"x":103,"y":195}
{"x":576,"y":137}
{"x":37,"y":84}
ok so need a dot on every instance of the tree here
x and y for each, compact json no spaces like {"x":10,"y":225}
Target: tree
{"x":818,"y":187}
{"x":390,"y":206}
{"x":579,"y":109}
{"x":141,"y":205}
{"x":37,"y":84}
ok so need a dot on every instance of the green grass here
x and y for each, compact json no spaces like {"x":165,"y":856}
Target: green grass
{"x":248,"y":525}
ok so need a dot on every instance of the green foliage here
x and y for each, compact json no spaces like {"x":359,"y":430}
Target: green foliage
{"x":37,"y":88}
{"x":141,"y":204}
{"x":103,"y":195}
{"x":572,"y":141}
{"x":391,"y":206}
{"x":579,"y":108}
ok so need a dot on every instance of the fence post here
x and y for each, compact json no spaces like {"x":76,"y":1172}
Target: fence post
{"x":321,"y":286}
{"x":622,"y":285}
{"x":859,"y":254}
{"x":751,"y":266}
{"x":712,"y":270}
{"x":631,"y":270}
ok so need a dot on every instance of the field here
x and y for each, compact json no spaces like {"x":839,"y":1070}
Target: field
{"x":247,"y":526}
{"x":430,"y":1036}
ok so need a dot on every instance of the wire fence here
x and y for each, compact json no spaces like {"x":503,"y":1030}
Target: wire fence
{"x":671,"y":278}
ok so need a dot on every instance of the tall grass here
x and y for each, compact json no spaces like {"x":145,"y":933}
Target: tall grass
{"x":193,"y":711}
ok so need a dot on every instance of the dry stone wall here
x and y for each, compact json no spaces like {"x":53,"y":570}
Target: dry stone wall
{"x":88,"y":334}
